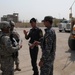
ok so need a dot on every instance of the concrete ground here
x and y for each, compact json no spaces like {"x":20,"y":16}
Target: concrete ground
{"x":64,"y":61}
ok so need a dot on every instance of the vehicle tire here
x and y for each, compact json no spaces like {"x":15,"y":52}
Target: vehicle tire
{"x":71,"y":43}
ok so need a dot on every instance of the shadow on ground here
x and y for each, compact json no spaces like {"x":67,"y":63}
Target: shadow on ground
{"x":72,"y":55}
{"x":70,"y":59}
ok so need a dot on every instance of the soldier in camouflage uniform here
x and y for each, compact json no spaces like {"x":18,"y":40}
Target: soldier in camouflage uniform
{"x":6,"y":50}
{"x":48,"y":45}
{"x":14,"y":34}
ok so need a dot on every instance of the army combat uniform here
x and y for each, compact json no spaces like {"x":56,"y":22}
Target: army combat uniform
{"x":7,"y":62}
{"x":48,"y":45}
{"x":16,"y":36}
{"x":6,"y":50}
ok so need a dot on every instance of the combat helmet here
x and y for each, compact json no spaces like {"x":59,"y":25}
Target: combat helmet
{"x":4,"y":24}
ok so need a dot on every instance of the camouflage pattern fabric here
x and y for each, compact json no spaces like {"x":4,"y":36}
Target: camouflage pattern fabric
{"x":19,"y":41}
{"x":48,"y":46}
{"x":6,"y":51}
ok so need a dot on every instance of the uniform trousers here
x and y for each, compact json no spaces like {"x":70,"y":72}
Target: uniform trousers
{"x":7,"y":65}
{"x":33,"y":55}
{"x":46,"y":69}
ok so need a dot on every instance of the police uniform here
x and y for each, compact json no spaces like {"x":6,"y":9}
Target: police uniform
{"x":48,"y":45}
{"x":7,"y":62}
{"x":35,"y":34}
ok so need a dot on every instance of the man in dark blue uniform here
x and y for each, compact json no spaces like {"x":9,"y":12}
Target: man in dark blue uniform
{"x":48,"y":45}
{"x":34,"y":34}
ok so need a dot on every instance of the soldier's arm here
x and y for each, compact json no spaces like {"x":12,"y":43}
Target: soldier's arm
{"x":8,"y":45}
{"x":52,"y":54}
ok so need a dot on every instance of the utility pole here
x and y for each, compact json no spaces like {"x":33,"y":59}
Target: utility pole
{"x":70,"y":15}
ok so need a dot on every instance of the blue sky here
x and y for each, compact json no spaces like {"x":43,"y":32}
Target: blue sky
{"x":37,"y":8}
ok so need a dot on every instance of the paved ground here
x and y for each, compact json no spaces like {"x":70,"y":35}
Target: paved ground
{"x":64,"y":62}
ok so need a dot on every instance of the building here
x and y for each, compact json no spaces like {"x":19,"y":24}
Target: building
{"x":13,"y":17}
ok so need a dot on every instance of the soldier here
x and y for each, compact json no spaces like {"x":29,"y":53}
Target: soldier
{"x":6,"y":49}
{"x":48,"y":45}
{"x":14,"y":34}
{"x":34,"y":34}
